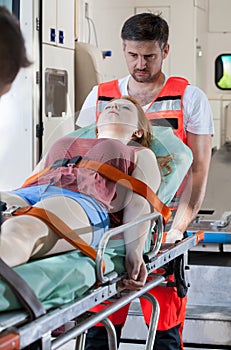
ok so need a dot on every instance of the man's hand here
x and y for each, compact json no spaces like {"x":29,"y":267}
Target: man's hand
{"x":173,"y":236}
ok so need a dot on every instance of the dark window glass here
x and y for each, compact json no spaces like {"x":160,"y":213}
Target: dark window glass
{"x":223,"y":71}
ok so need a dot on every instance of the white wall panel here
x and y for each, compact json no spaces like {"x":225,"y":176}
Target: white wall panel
{"x":219,"y":16}
{"x":18,"y":110}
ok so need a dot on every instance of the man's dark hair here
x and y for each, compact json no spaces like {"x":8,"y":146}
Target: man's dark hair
{"x":145,"y":27}
{"x":12,"y":47}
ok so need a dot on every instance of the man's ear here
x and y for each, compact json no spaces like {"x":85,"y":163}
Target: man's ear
{"x":165,"y":51}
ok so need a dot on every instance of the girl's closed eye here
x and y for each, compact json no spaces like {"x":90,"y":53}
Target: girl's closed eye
{"x":125,"y":107}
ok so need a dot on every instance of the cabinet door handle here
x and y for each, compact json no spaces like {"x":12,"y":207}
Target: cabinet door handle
{"x":61,"y":37}
{"x":52,"y":35}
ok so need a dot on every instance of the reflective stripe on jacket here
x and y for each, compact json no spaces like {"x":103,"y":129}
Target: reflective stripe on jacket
{"x":165,"y":110}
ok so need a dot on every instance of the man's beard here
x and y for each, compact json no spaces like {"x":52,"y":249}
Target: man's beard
{"x":146,"y":79}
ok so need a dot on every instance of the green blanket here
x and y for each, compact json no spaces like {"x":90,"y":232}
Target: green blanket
{"x":60,"y":279}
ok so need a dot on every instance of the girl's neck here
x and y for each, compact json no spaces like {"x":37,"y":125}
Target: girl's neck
{"x":110,"y":135}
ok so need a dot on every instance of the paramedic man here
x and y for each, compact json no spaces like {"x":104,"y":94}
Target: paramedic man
{"x":145,"y":46}
{"x":12,"y":50}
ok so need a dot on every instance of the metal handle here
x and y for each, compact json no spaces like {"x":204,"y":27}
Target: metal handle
{"x":104,"y":240}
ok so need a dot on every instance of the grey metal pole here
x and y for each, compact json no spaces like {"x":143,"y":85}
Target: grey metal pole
{"x":111,"y":333}
{"x":101,"y":315}
{"x":153,"y":322}
{"x":80,"y":341}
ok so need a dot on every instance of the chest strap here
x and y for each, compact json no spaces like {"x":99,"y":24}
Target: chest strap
{"x":128,"y":182}
{"x":113,"y":174}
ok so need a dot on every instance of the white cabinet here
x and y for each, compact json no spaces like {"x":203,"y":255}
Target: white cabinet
{"x":58,"y":94}
{"x":58,"y":42}
{"x":58,"y":23}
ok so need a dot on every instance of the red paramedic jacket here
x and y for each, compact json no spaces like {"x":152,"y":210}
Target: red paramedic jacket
{"x":165,"y":109}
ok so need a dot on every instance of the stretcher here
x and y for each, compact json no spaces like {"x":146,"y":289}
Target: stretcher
{"x":18,"y":330}
{"x":35,"y":326}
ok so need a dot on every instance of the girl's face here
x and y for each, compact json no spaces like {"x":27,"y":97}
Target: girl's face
{"x":119,"y":117}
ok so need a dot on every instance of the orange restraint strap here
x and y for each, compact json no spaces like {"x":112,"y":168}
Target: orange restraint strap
{"x":129,"y":182}
{"x":109,"y":172}
{"x":59,"y":227}
{"x":116,"y":175}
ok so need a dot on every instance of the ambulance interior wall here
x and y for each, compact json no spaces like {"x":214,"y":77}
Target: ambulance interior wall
{"x":200,"y":30}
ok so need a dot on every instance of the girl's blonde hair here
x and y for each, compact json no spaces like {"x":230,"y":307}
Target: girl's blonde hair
{"x":145,"y":125}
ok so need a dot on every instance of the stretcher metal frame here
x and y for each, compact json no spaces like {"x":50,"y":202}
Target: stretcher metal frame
{"x":16,"y":332}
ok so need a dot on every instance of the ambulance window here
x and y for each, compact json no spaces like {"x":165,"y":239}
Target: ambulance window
{"x":223,"y":71}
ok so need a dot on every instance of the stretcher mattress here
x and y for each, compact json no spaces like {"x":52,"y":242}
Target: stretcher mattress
{"x":60,"y":279}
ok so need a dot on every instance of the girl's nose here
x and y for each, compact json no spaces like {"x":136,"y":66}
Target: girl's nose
{"x":115,"y":106}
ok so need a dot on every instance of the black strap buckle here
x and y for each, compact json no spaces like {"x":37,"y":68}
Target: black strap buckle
{"x":66,"y":162}
{"x":22,"y":290}
{"x":74,"y":161}
{"x":10,"y":210}
{"x":3,"y":206}
{"x":59,"y":162}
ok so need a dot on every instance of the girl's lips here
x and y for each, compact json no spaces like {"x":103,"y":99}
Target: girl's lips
{"x":113,"y":112}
